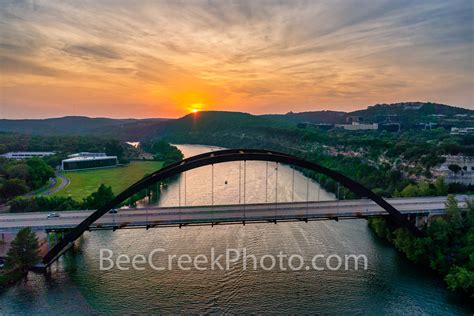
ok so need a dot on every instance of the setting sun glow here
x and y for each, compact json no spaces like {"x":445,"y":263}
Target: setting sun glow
{"x":247,"y":56}
{"x":196,"y":107}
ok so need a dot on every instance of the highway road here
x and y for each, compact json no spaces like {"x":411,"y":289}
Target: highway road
{"x":227,"y":213}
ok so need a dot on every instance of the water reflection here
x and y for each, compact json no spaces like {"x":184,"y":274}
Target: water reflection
{"x":392,"y":285}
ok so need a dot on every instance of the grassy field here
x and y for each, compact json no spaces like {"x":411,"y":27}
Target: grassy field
{"x":85,"y":182}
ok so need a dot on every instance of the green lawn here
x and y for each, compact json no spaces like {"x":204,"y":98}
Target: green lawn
{"x":85,"y":182}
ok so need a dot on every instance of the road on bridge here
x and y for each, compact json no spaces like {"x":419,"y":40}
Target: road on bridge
{"x":228,"y":213}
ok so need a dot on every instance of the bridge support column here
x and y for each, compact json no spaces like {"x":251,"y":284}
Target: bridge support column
{"x":47,"y":239}
{"x":426,"y":220}
{"x":422,"y":220}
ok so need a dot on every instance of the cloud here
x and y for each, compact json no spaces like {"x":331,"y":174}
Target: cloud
{"x":95,"y":51}
{"x":18,"y":66}
{"x":242,"y":54}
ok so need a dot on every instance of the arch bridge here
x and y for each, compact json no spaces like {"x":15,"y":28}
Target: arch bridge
{"x":223,"y":156}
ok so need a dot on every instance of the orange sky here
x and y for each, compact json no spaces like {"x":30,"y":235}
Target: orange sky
{"x":164,"y":58}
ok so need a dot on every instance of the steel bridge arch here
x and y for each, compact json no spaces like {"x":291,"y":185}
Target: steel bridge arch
{"x":222,"y":156}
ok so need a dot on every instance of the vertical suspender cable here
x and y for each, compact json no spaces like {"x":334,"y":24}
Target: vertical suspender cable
{"x":245,"y":182}
{"x":337,"y":195}
{"x":307,"y":195}
{"x":266,"y":182}
{"x":147,"y":207}
{"x":240,"y":181}
{"x":293,"y":186}
{"x":185,"y":189}
{"x":276,"y":188}
{"x":212,"y":184}
{"x":245,"y":185}
{"x":319,"y":187}
{"x":212,"y":191}
{"x":179,"y":198}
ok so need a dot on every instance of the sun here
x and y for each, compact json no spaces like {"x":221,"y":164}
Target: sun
{"x":196,"y":107}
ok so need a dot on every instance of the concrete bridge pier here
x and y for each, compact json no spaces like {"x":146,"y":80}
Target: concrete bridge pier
{"x":419,"y":220}
{"x":48,"y":241}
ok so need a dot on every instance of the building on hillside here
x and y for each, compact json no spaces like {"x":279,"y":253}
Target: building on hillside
{"x":354,"y":119}
{"x":426,"y":126}
{"x":462,"y":131}
{"x":19,"y":155}
{"x":412,"y":107}
{"x":390,"y":127}
{"x":321,"y":126}
{"x":358,"y":126}
{"x":86,"y":160}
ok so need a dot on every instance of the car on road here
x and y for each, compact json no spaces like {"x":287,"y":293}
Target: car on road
{"x":52,"y":215}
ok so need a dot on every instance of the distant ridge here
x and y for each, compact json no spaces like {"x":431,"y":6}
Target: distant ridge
{"x":407,"y":113}
{"x":74,"y":125}
{"x":324,"y":116}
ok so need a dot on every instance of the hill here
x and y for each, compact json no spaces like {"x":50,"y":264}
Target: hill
{"x":412,"y":112}
{"x":81,"y":125}
{"x":333,"y":117}
{"x":406,"y":113}
{"x":215,"y":121}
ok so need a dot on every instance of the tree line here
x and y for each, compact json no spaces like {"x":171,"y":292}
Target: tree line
{"x":65,"y":145}
{"x":447,"y":248}
{"x":162,"y":151}
{"x":18,"y":177}
{"x":62,"y":203}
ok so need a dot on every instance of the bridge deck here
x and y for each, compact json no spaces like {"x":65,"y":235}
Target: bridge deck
{"x":226,"y":214}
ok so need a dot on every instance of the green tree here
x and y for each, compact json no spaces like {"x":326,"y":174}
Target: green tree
{"x":440,"y":186}
{"x":404,"y":241}
{"x":115,"y":148}
{"x":43,"y":204}
{"x":460,"y":278}
{"x":99,"y":198}
{"x":12,"y":188}
{"x":3,"y":149}
{"x":454,"y":214}
{"x":163,"y":151}
{"x":39,"y":172}
{"x":19,"y":171}
{"x":23,"y":252}
{"x":410,"y":190}
{"x":424,"y":189}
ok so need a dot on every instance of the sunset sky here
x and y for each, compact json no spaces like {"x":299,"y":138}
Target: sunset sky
{"x":166,"y":58}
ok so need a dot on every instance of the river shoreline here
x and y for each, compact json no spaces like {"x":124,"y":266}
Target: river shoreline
{"x":391,"y":284}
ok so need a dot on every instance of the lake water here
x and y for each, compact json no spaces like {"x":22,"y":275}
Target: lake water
{"x":391,"y":285}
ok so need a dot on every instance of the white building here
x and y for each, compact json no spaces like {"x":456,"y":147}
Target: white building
{"x":355,"y":126}
{"x":86,"y":160}
{"x":27,"y":154}
{"x":462,"y":131}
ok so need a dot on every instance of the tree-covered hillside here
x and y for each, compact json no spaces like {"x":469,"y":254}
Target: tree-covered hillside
{"x":408,"y":114}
